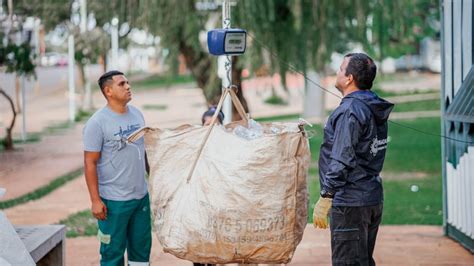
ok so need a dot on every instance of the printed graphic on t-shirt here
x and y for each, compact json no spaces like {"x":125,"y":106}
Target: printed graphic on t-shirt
{"x":125,"y":133}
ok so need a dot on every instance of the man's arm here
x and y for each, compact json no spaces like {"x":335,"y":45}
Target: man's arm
{"x":343,"y":158}
{"x":98,"y":208}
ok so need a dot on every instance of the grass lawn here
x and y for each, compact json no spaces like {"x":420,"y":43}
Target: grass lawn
{"x":290,"y":117}
{"x":410,"y":151}
{"x":42,"y":191}
{"x":275,"y":100}
{"x":404,"y":206}
{"x":80,"y":224}
{"x":54,"y":128}
{"x":385,"y":93}
{"x":428,"y":105}
{"x":156,"y":107}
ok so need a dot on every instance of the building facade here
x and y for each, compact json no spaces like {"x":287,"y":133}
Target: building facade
{"x":457,"y":106}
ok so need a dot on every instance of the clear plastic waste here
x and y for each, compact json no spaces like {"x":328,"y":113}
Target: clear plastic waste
{"x":302,"y":121}
{"x":275,"y":130}
{"x":254,"y":130}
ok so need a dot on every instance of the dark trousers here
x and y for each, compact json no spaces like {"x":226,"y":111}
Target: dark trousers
{"x":353,"y":234}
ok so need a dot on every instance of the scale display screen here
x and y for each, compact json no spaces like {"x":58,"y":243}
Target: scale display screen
{"x":234,"y":42}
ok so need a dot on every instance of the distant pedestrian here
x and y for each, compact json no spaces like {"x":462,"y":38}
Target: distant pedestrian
{"x":207,"y":116}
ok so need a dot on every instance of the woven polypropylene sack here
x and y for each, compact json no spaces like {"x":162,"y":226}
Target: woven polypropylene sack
{"x":246,"y":200}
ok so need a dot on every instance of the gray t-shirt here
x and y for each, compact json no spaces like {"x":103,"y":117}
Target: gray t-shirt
{"x":121,"y":167}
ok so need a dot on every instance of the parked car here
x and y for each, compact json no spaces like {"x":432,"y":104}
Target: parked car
{"x":54,"y":59}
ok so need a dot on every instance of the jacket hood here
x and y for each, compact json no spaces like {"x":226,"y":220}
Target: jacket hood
{"x":379,"y":107}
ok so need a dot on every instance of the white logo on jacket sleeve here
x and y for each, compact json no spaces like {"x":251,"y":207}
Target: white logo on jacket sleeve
{"x":378,"y":145}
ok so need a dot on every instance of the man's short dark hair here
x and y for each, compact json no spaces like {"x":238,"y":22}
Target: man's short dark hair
{"x":106,"y":77}
{"x":362,"y":68}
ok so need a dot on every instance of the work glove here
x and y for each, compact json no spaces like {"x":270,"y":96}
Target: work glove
{"x":320,"y":213}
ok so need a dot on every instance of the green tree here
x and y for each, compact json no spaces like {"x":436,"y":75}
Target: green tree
{"x":51,"y":12}
{"x":179,"y":26}
{"x":7,"y":142}
{"x":88,"y":48}
{"x":398,"y":26}
{"x":16,"y":59}
{"x":304,"y":33}
{"x":288,"y":34}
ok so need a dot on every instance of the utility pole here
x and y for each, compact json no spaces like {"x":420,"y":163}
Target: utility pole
{"x":87,"y":86}
{"x":83,"y":24}
{"x":227,"y":65}
{"x":36,"y":39}
{"x":23,"y":108}
{"x":72,"y":90}
{"x":114,"y":43}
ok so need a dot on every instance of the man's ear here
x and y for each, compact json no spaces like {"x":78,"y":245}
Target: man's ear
{"x":350,"y":79}
{"x":107,"y":91}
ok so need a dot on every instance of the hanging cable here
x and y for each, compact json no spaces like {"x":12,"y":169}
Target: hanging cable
{"x":294,"y":69}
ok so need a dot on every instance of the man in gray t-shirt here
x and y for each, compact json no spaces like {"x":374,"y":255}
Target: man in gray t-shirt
{"x":115,"y":175}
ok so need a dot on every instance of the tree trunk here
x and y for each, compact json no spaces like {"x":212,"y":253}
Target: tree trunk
{"x":82,"y":79}
{"x":201,"y":68}
{"x":8,"y":141}
{"x":17,"y":94}
{"x":237,"y":80}
{"x":104,"y":62}
{"x":86,"y":93}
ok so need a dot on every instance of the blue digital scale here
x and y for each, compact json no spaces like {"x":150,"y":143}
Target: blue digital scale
{"x":227,"y":41}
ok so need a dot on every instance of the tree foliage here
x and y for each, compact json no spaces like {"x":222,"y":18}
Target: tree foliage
{"x":306,"y":32}
{"x":399,"y":26}
{"x":303,"y":33}
{"x":17,"y":59}
{"x":51,"y":12}
{"x":181,"y":28}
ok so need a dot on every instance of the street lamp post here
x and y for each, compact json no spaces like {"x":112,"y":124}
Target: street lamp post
{"x":72,"y":90}
{"x":87,"y":85}
{"x":23,"y":109}
{"x":114,"y":42}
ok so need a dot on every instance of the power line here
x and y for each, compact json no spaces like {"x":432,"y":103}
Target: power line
{"x":428,"y":133}
{"x":291,"y":67}
{"x":294,"y":69}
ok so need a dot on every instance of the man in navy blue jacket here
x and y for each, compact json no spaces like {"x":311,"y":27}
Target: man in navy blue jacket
{"x":350,"y":161}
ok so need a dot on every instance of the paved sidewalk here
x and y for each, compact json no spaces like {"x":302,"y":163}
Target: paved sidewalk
{"x":413,"y":81}
{"x":396,"y":245}
{"x":69,"y":199}
{"x":34,"y":165}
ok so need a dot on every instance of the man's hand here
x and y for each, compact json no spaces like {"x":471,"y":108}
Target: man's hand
{"x":99,"y":210}
{"x":320,"y":213}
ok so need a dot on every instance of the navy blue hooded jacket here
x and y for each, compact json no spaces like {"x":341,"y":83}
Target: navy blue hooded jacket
{"x":353,"y":150}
